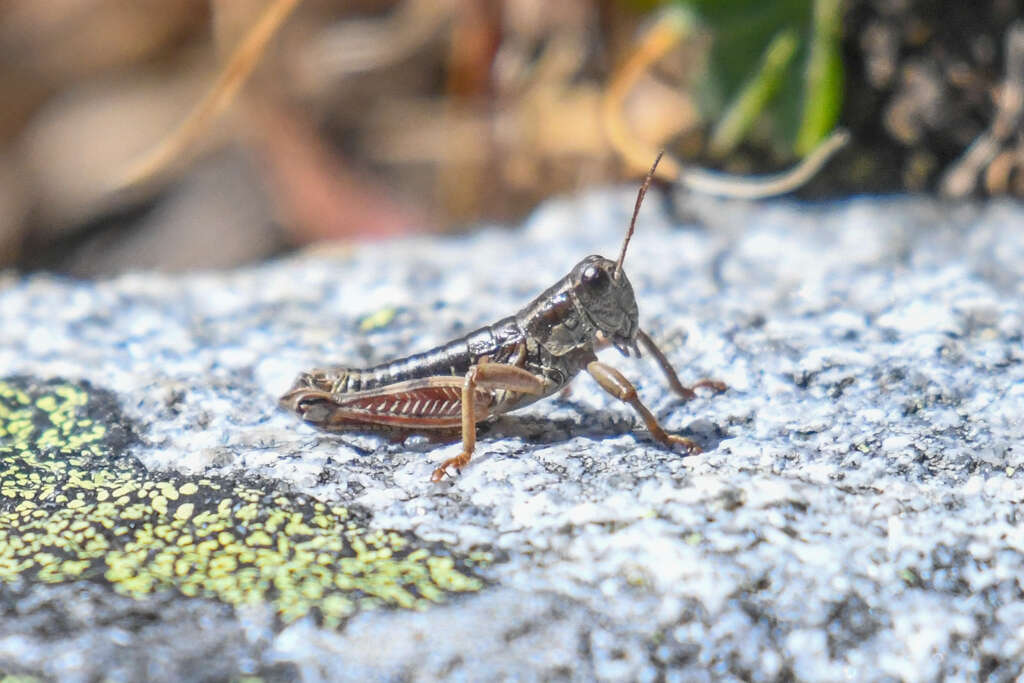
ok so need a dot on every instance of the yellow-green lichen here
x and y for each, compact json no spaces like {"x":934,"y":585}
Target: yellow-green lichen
{"x":75,"y":506}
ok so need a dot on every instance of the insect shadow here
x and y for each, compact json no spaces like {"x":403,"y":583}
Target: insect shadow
{"x":538,"y":431}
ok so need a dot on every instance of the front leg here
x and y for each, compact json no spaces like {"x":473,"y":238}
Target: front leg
{"x":684,"y":392}
{"x":485,"y":376}
{"x":612,"y":381}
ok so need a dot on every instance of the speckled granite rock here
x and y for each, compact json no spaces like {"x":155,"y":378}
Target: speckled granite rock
{"x":855,"y":514}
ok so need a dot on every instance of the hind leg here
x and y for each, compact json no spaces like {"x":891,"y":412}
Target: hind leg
{"x":487,"y":377}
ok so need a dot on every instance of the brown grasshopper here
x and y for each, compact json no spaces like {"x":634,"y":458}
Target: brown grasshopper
{"x":501,"y":367}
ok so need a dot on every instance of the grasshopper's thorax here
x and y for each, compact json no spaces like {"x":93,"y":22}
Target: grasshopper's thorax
{"x":587,"y":303}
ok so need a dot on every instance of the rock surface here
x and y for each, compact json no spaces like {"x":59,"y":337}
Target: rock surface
{"x":855,"y":514}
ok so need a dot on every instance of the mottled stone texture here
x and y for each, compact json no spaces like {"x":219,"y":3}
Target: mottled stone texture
{"x":855,"y":513}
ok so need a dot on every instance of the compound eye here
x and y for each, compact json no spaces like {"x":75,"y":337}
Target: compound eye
{"x":596,"y":279}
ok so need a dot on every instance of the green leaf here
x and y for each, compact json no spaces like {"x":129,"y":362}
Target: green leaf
{"x":755,"y":95}
{"x":753,"y":82}
{"x":823,"y":89}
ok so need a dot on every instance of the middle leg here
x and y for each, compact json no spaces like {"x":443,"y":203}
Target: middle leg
{"x":612,"y":381}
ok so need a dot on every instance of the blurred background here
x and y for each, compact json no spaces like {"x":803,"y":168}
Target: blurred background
{"x":182,"y":134}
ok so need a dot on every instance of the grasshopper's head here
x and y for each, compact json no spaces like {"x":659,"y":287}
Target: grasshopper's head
{"x":606,"y":298}
{"x":604,"y":292}
{"x":594,"y":301}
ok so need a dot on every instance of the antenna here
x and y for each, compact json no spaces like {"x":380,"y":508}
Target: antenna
{"x":636,"y":210}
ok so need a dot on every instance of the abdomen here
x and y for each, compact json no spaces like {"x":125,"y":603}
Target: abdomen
{"x":499,"y":342}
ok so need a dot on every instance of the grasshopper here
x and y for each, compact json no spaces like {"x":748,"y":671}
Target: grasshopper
{"x":501,"y":367}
